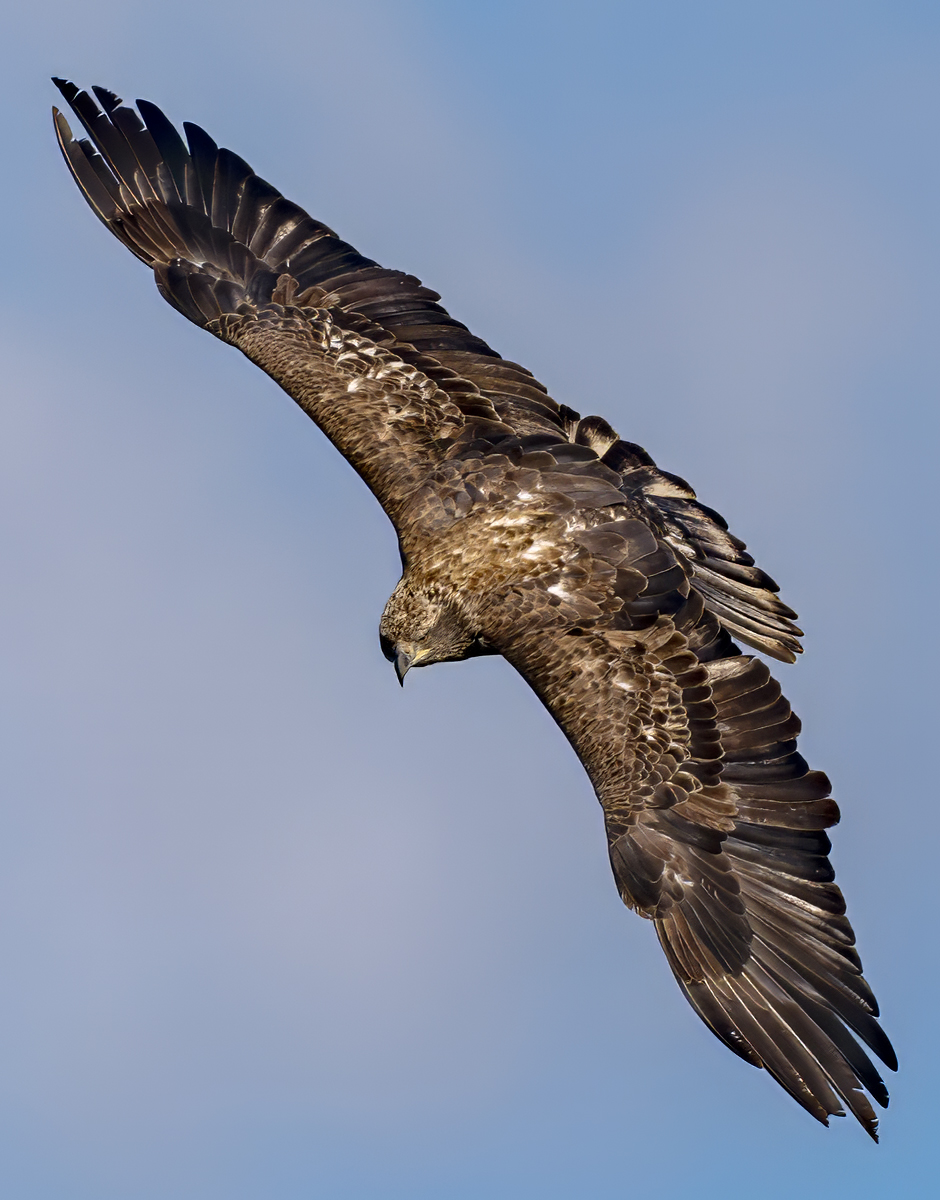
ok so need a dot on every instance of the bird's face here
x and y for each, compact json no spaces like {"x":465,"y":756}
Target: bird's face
{"x":417,"y":630}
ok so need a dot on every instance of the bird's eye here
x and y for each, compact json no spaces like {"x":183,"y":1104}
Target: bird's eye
{"x":388,"y":648}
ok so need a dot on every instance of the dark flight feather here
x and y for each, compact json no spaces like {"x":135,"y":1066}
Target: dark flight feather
{"x":529,"y":531}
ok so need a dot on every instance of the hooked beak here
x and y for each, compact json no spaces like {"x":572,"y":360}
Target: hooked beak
{"x":402,"y":662}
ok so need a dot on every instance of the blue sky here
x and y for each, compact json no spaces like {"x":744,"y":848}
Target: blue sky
{"x":269,"y":926}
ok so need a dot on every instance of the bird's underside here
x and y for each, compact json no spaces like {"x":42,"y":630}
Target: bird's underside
{"x":530,"y":532}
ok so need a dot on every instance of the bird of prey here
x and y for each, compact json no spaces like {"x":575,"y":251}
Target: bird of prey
{"x":529,"y":531}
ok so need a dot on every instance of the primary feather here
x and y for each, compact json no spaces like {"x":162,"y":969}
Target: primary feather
{"x":530,"y":532}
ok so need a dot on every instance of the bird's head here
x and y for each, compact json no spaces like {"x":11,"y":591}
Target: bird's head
{"x":418,"y":629}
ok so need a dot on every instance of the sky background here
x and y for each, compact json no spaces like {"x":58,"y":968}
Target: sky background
{"x":271,"y":927}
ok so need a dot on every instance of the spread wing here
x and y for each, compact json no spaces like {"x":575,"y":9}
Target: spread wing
{"x":369,"y":353}
{"x":236,"y":258}
{"x":716,"y":825}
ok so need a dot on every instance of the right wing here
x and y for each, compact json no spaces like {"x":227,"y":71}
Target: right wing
{"x":219,"y":239}
{"x":236,"y":258}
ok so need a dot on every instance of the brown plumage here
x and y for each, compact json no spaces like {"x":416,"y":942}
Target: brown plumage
{"x":530,"y":532}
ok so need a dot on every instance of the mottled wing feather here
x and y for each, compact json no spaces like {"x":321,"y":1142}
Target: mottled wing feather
{"x":146,"y":162}
{"x":715,"y":822}
{"x":223,"y":245}
{"x":167,"y":200}
{"x":133,"y":163}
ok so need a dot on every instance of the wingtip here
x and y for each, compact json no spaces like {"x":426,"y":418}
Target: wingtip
{"x":66,"y":87}
{"x":63,"y":129}
{"x":108,"y":100}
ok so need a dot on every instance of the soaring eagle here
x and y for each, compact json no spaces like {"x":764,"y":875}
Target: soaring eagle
{"x":529,"y":531}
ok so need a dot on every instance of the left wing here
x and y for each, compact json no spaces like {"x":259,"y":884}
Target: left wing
{"x":714,"y":821}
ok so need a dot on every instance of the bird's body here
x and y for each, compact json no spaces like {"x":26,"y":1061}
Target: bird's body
{"x":530,"y":532}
